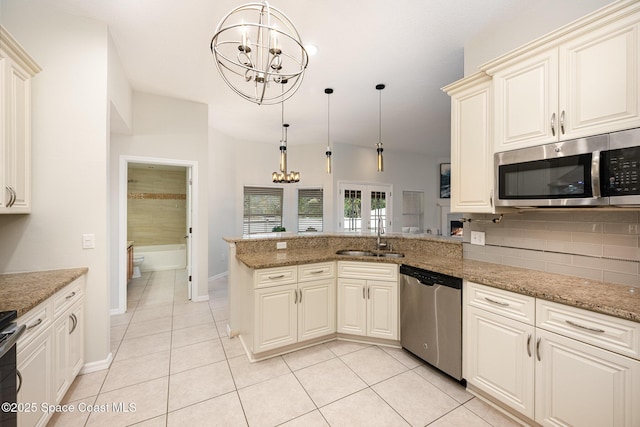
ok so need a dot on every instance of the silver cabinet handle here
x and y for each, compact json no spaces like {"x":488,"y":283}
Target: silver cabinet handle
{"x":538,"y":348}
{"x":280,"y":276}
{"x":12,"y":195}
{"x":364,"y":295}
{"x":74,"y":323}
{"x":553,"y":124}
{"x":562,"y":122}
{"x":295,"y":293}
{"x":587,"y":328}
{"x":19,"y":375}
{"x":71,"y":295}
{"x":39,"y":321}
{"x":368,"y":293}
{"x":503,"y":304}
{"x":300,"y":301}
{"x":529,"y":345}
{"x":316,"y":272}
{"x":491,"y":198}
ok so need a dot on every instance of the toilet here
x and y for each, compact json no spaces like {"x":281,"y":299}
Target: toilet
{"x":137,"y":261}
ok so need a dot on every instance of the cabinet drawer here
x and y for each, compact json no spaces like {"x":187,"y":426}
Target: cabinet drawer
{"x":367,"y":270}
{"x":37,"y":320}
{"x":321,"y":270}
{"x":509,"y":304}
{"x":608,"y":332}
{"x":266,"y":277}
{"x":67,"y":296}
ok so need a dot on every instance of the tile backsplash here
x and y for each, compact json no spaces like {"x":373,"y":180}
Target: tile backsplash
{"x":600,"y":245}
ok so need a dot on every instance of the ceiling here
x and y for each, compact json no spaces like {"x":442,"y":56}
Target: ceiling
{"x":413,"y":46}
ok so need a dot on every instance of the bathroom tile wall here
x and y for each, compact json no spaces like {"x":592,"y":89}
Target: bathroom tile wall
{"x":600,"y":245}
{"x":156,"y":206}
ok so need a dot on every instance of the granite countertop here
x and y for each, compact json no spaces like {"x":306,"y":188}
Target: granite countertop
{"x":601,"y":297}
{"x":24,"y":291}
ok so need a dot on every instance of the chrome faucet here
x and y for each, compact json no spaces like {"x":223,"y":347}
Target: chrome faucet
{"x":379,"y":244}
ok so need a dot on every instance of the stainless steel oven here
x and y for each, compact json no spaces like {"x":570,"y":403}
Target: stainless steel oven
{"x":9,"y":334}
{"x":595,"y":171}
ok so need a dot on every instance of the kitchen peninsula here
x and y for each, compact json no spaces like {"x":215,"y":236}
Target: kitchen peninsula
{"x":438,"y":254}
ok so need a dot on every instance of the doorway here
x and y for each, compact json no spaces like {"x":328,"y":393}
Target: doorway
{"x":178,"y":226}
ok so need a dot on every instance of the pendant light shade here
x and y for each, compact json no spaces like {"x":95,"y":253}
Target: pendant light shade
{"x":379,"y":149}
{"x":328,"y":91}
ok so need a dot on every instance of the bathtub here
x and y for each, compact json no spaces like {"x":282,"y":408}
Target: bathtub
{"x":162,"y":257}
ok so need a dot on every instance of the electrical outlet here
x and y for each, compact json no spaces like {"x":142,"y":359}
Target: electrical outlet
{"x":281,"y":245}
{"x":477,"y":238}
{"x":88,"y":241}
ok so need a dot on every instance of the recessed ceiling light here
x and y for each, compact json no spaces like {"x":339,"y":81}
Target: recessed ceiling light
{"x":311,"y":49}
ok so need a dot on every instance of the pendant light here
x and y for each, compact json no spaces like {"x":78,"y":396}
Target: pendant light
{"x":284,"y":177}
{"x":379,"y":150}
{"x":328,"y":91}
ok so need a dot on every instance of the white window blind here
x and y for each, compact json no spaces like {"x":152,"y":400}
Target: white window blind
{"x":310,"y":210}
{"x":262,"y":209}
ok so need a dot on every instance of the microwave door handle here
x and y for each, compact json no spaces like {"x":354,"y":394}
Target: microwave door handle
{"x":595,"y":174}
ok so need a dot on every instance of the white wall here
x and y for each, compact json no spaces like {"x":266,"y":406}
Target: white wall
{"x":537,"y":19}
{"x":168,"y":128}
{"x":69,"y":158}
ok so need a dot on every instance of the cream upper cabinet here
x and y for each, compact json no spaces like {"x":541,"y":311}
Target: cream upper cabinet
{"x":16,"y":70}
{"x":583,"y":82}
{"x":472,"y":174}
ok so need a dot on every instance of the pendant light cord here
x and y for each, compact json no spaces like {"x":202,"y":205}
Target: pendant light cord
{"x":380,"y":116}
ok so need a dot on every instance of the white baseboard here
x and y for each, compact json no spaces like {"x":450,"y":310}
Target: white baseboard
{"x":219,"y":276}
{"x":115,"y":311}
{"x":200,"y":298}
{"x":99,"y":365}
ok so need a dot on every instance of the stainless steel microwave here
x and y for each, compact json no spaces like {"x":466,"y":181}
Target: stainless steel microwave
{"x":595,"y":171}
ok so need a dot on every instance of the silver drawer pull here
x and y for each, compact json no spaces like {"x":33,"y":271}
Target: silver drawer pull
{"x":280,"y":276}
{"x":529,"y":345}
{"x":504,"y":304}
{"x":39,"y":321}
{"x":585,"y":327}
{"x":316,"y":272}
{"x":71,"y":295}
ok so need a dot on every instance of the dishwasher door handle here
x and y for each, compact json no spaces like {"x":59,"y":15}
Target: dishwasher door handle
{"x":425,"y":283}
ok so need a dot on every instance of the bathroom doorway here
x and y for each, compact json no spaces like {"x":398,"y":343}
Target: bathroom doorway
{"x":157,"y":210}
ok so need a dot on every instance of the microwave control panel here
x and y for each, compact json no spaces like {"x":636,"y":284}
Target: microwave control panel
{"x":621,"y":171}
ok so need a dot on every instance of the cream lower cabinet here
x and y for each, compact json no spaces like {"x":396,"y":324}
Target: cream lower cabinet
{"x":368,"y":299}
{"x":301,"y":310}
{"x":51,"y":352}
{"x":558,"y":370}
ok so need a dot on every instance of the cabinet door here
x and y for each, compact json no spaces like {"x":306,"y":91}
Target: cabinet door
{"x":35,"y":364}
{"x":382,"y":309}
{"x":498,"y":358}
{"x":76,"y":340}
{"x":581,"y":385}
{"x":352,"y":306}
{"x":472,"y":148}
{"x":61,"y":375}
{"x":526,"y":102}
{"x":276,"y":315}
{"x":600,"y":81}
{"x":17,"y":150}
{"x":316,"y":309}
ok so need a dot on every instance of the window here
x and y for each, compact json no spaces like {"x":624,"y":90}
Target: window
{"x":262,"y":210}
{"x":412,"y":211}
{"x":363,"y":206}
{"x":310,"y":210}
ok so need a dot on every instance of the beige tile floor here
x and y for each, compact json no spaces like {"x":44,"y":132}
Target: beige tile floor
{"x":174,"y":362}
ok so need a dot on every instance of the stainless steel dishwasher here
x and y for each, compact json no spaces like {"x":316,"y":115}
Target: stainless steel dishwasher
{"x":431,"y":318}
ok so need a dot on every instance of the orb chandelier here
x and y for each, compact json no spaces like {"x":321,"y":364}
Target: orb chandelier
{"x":257,"y":50}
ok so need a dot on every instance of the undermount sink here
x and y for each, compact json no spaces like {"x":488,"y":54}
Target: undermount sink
{"x":355,"y":252}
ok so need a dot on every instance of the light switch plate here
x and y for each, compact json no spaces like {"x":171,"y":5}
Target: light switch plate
{"x":477,"y":238}
{"x":281,"y":245}
{"x":88,"y":241}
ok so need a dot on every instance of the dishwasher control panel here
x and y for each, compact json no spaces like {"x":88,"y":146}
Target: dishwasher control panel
{"x":430,"y":278}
